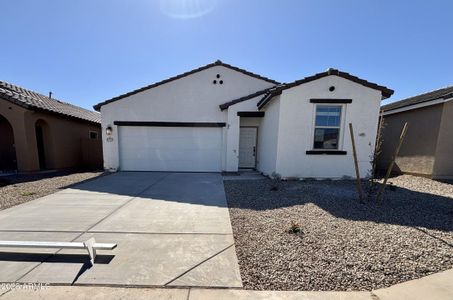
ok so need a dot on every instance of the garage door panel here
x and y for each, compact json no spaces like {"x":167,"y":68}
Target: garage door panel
{"x":170,"y":149}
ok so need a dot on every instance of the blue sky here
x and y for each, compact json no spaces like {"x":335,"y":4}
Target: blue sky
{"x":86,"y":51}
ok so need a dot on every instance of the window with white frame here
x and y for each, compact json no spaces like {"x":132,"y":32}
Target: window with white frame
{"x":327,"y":127}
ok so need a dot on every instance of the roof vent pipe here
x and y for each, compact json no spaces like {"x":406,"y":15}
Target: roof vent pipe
{"x":50,"y":95}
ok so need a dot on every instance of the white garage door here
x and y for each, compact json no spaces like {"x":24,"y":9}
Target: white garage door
{"x":195,"y":149}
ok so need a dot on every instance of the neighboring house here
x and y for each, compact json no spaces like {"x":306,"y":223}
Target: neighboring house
{"x":38,"y":132}
{"x":223,"y":118}
{"x":428,"y":146}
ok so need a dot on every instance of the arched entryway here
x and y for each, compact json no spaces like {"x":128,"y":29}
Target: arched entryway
{"x":8,"y":160}
{"x":42,"y":135}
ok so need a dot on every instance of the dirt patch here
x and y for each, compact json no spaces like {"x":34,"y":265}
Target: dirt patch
{"x":23,"y":188}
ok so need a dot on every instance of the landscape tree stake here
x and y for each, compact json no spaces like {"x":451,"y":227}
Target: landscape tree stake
{"x":356,"y":164}
{"x":389,"y":170}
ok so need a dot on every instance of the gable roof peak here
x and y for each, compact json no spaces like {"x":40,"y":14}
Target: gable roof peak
{"x":385,"y":92}
{"x":332,"y":71}
{"x":153,"y":85}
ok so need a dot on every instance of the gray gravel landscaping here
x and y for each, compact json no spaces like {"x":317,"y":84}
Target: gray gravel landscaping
{"x":23,"y":188}
{"x":343,"y":245}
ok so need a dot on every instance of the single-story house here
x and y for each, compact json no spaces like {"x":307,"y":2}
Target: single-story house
{"x":428,"y":146}
{"x":222,"y":118}
{"x":38,"y":132}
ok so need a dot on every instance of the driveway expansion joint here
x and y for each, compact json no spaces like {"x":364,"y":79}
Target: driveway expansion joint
{"x":199,"y":264}
{"x":173,"y":222}
{"x":374,"y":296}
{"x":92,"y":226}
{"x":5,"y":292}
{"x":127,"y":202}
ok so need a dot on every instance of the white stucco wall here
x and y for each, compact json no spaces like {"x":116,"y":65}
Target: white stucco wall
{"x":193,"y":98}
{"x":232,"y":132}
{"x":296,"y":129}
{"x":284,"y":134}
{"x":268,"y":138}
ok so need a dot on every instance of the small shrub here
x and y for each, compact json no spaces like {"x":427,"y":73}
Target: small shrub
{"x":276,"y":178}
{"x":294,"y":228}
{"x":373,"y":184}
{"x":27,"y":193}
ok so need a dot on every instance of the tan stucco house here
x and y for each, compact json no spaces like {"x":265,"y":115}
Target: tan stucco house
{"x":428,"y":147}
{"x":38,"y":132}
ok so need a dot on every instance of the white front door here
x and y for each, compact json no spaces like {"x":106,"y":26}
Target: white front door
{"x":247,"y":147}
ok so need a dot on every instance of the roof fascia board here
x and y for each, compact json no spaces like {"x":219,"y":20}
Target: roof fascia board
{"x":268,"y":98}
{"x":218,"y":63}
{"x":242,"y":99}
{"x":385,"y":92}
{"x":416,"y":106}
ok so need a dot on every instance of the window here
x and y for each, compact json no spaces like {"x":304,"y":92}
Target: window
{"x":327,"y":127}
{"x":93,"y":135}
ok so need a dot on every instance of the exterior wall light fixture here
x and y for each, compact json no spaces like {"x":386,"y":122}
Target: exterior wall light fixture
{"x":108,"y":130}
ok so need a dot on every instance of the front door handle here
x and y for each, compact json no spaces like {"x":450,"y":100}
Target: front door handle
{"x":254,"y":150}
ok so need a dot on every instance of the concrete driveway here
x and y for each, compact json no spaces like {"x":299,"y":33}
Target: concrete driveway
{"x":172,"y":229}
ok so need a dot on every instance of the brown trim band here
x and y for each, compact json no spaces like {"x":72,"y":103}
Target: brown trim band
{"x":316,"y":100}
{"x":328,"y":152}
{"x":251,"y":114}
{"x":169,"y":124}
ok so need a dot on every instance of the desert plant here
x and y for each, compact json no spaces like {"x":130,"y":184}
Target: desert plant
{"x":373,"y":181}
{"x":276,"y":179}
{"x":27,"y":193}
{"x":294,"y":228}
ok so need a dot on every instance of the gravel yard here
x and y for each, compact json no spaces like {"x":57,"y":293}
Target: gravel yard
{"x":343,"y":245}
{"x":24,"y":188}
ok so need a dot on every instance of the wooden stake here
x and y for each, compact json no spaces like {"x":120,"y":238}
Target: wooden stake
{"x":356,"y":164}
{"x":389,"y":170}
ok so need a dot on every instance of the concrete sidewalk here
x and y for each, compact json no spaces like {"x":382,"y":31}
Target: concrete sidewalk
{"x":434,"y":287}
{"x":438,"y":286}
{"x":172,"y":229}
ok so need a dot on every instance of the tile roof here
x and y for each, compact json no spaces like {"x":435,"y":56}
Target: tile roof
{"x":35,"y":101}
{"x":386,"y":92}
{"x":443,"y":93}
{"x":269,"y":93}
{"x":216,"y":63}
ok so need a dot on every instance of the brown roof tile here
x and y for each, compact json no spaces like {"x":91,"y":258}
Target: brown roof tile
{"x":386,"y":92}
{"x":444,"y":93}
{"x":35,"y":101}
